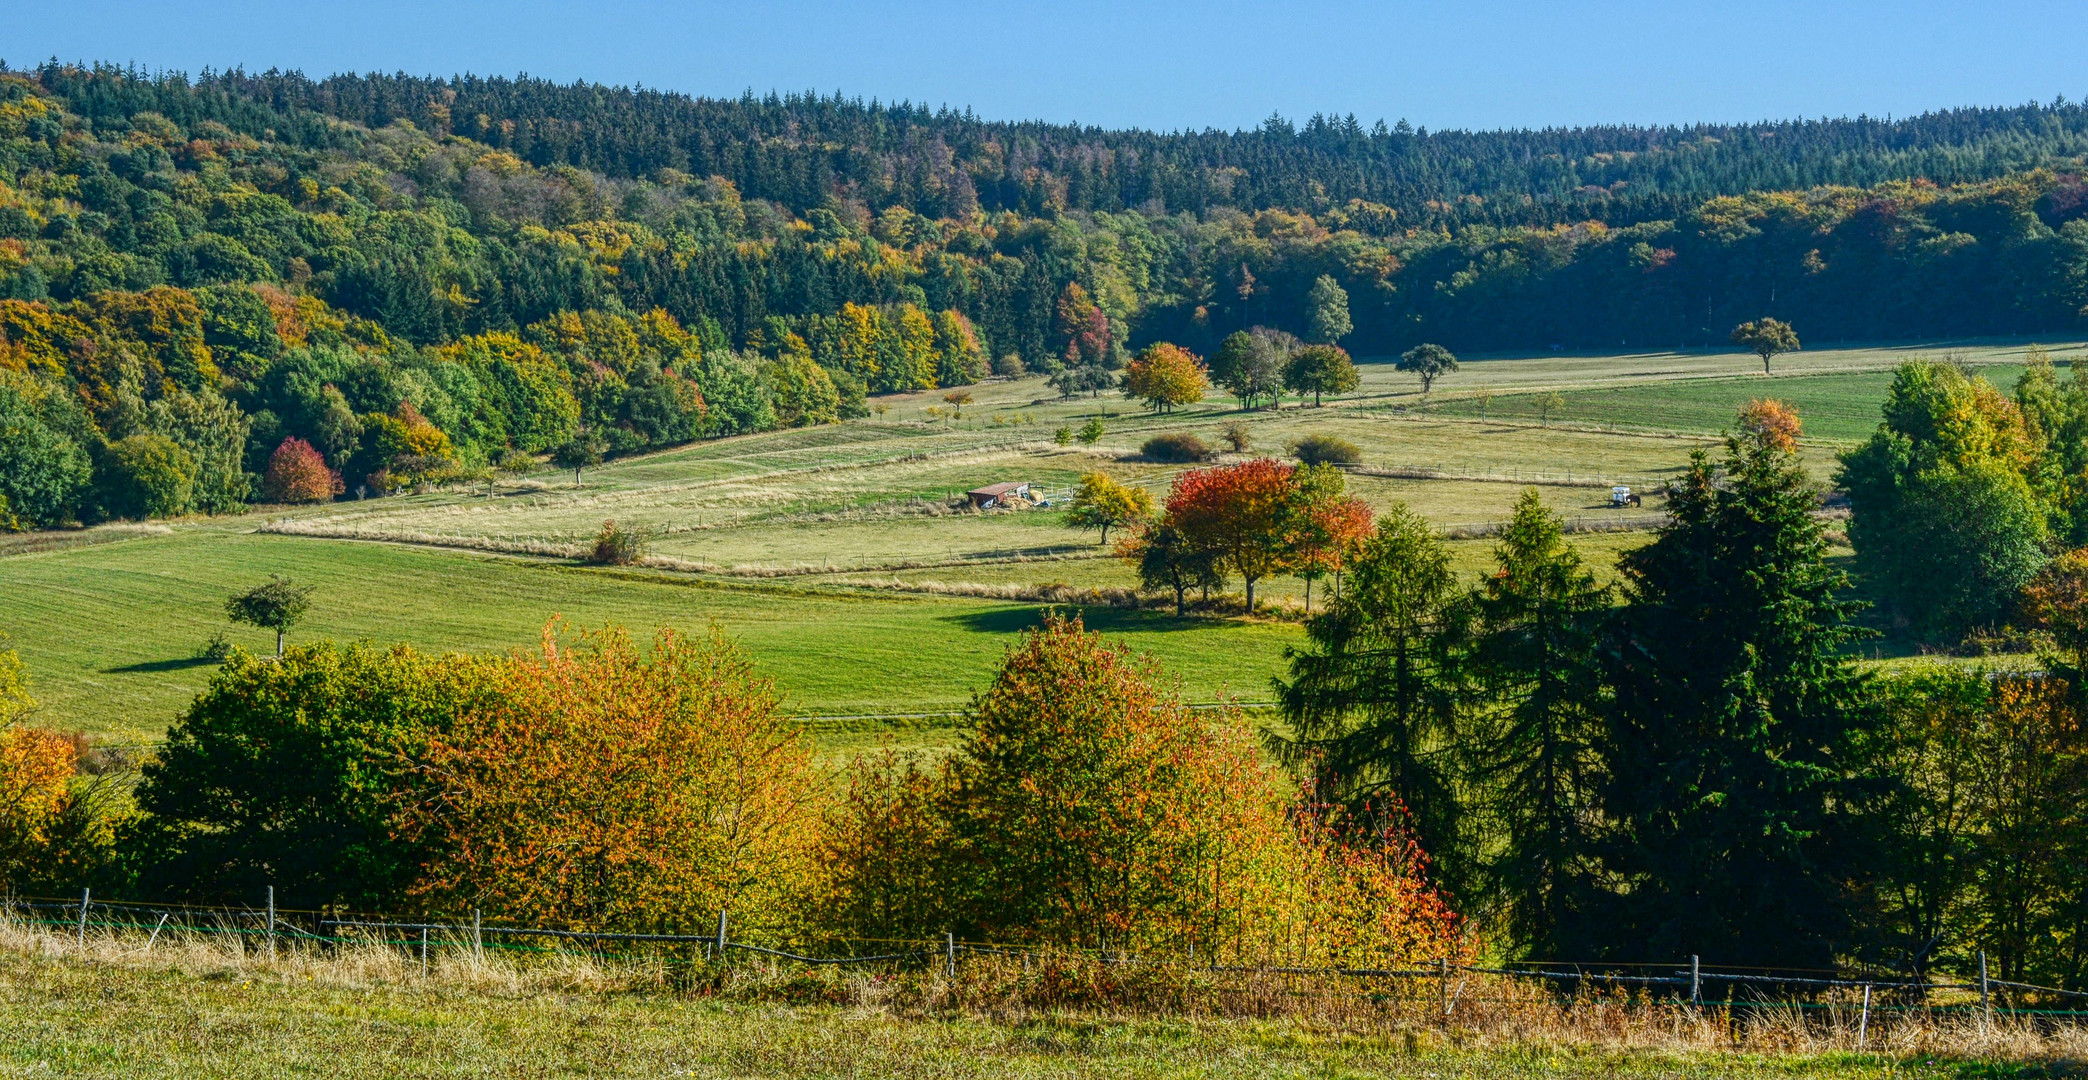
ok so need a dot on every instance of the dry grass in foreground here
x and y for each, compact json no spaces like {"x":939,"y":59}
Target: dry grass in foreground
{"x":215,"y":1005}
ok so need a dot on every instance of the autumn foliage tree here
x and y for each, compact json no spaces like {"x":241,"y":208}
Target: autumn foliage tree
{"x":609,"y":785}
{"x":1326,"y":525}
{"x":1242,"y":512}
{"x":1165,"y":376}
{"x":297,"y":473}
{"x":1088,"y":806}
{"x":1100,"y":502}
{"x":1772,"y":423}
{"x":36,"y":772}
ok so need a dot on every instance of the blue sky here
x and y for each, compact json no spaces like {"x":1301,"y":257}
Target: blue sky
{"x":1221,"y":63}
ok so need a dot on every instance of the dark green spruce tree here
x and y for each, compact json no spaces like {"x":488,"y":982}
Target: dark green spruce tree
{"x":1373,"y":697}
{"x":1729,"y":746}
{"x":1531,"y":743}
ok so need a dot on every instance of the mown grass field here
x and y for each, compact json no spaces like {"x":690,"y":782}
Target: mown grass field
{"x":109,"y":631}
{"x":829,"y":552}
{"x":67,"y":1017}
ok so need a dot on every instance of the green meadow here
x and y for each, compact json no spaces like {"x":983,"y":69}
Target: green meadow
{"x":833,"y":555}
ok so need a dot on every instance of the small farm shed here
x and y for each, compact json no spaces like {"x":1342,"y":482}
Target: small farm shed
{"x":992,"y":495}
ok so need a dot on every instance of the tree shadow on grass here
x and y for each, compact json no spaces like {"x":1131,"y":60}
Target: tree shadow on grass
{"x":145,"y":667}
{"x":1097,"y":617}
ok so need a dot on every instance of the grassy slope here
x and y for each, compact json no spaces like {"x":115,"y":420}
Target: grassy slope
{"x":77,"y":1019}
{"x":107,"y":630}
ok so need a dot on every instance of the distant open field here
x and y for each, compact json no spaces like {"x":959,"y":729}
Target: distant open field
{"x":832,"y":552}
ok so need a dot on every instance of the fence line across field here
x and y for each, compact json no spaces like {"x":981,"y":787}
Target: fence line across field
{"x":1688,"y":981}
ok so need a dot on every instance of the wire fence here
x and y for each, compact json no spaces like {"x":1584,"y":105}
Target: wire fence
{"x":1687,"y":982}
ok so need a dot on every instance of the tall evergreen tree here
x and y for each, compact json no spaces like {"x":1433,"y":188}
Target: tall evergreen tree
{"x":1373,"y":697}
{"x":1727,"y":750}
{"x":1532,"y":753}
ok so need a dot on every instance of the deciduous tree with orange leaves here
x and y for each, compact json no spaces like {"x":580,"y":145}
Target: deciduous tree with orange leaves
{"x":1164,"y":376}
{"x":611,"y":785}
{"x":1327,"y":524}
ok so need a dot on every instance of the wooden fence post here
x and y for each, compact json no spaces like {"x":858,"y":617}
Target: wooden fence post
{"x":1696,"y":981}
{"x":1443,"y":983}
{"x":1986,"y":1001}
{"x":1863,"y":1024}
{"x":424,"y":952}
{"x":81,"y":938}
{"x":949,"y":955}
{"x":478,"y":945}
{"x":721,"y":936}
{"x":271,"y":923}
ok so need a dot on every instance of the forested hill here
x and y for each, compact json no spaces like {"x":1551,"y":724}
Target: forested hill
{"x":799,"y":150}
{"x":415,"y":279}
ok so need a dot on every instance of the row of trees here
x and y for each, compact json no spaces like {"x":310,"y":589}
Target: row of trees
{"x":1248,"y":521}
{"x":599,"y":783}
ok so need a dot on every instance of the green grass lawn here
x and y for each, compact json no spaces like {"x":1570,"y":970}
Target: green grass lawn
{"x":109,"y":631}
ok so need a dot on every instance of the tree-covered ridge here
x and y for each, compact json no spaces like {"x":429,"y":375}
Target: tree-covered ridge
{"x":798,"y":149}
{"x":227,"y":264}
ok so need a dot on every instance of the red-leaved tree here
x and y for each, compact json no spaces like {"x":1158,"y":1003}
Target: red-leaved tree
{"x":1242,"y":512}
{"x":297,"y":473}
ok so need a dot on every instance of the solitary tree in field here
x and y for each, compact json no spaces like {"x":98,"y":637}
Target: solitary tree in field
{"x":578,"y":453}
{"x":1548,"y":404}
{"x":1102,"y":503}
{"x":1428,"y":361}
{"x":1320,"y":369}
{"x":1330,"y":311}
{"x":276,"y":604}
{"x":1766,"y":338}
{"x":1164,"y":376}
{"x":509,"y":463}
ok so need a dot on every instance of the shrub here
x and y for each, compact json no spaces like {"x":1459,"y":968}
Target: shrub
{"x":618,"y":545}
{"x":297,"y":473}
{"x":1009,"y":365}
{"x":1326,"y":450}
{"x":1091,"y":432}
{"x":609,"y":786}
{"x":1180,"y":447}
{"x":1237,"y":437}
